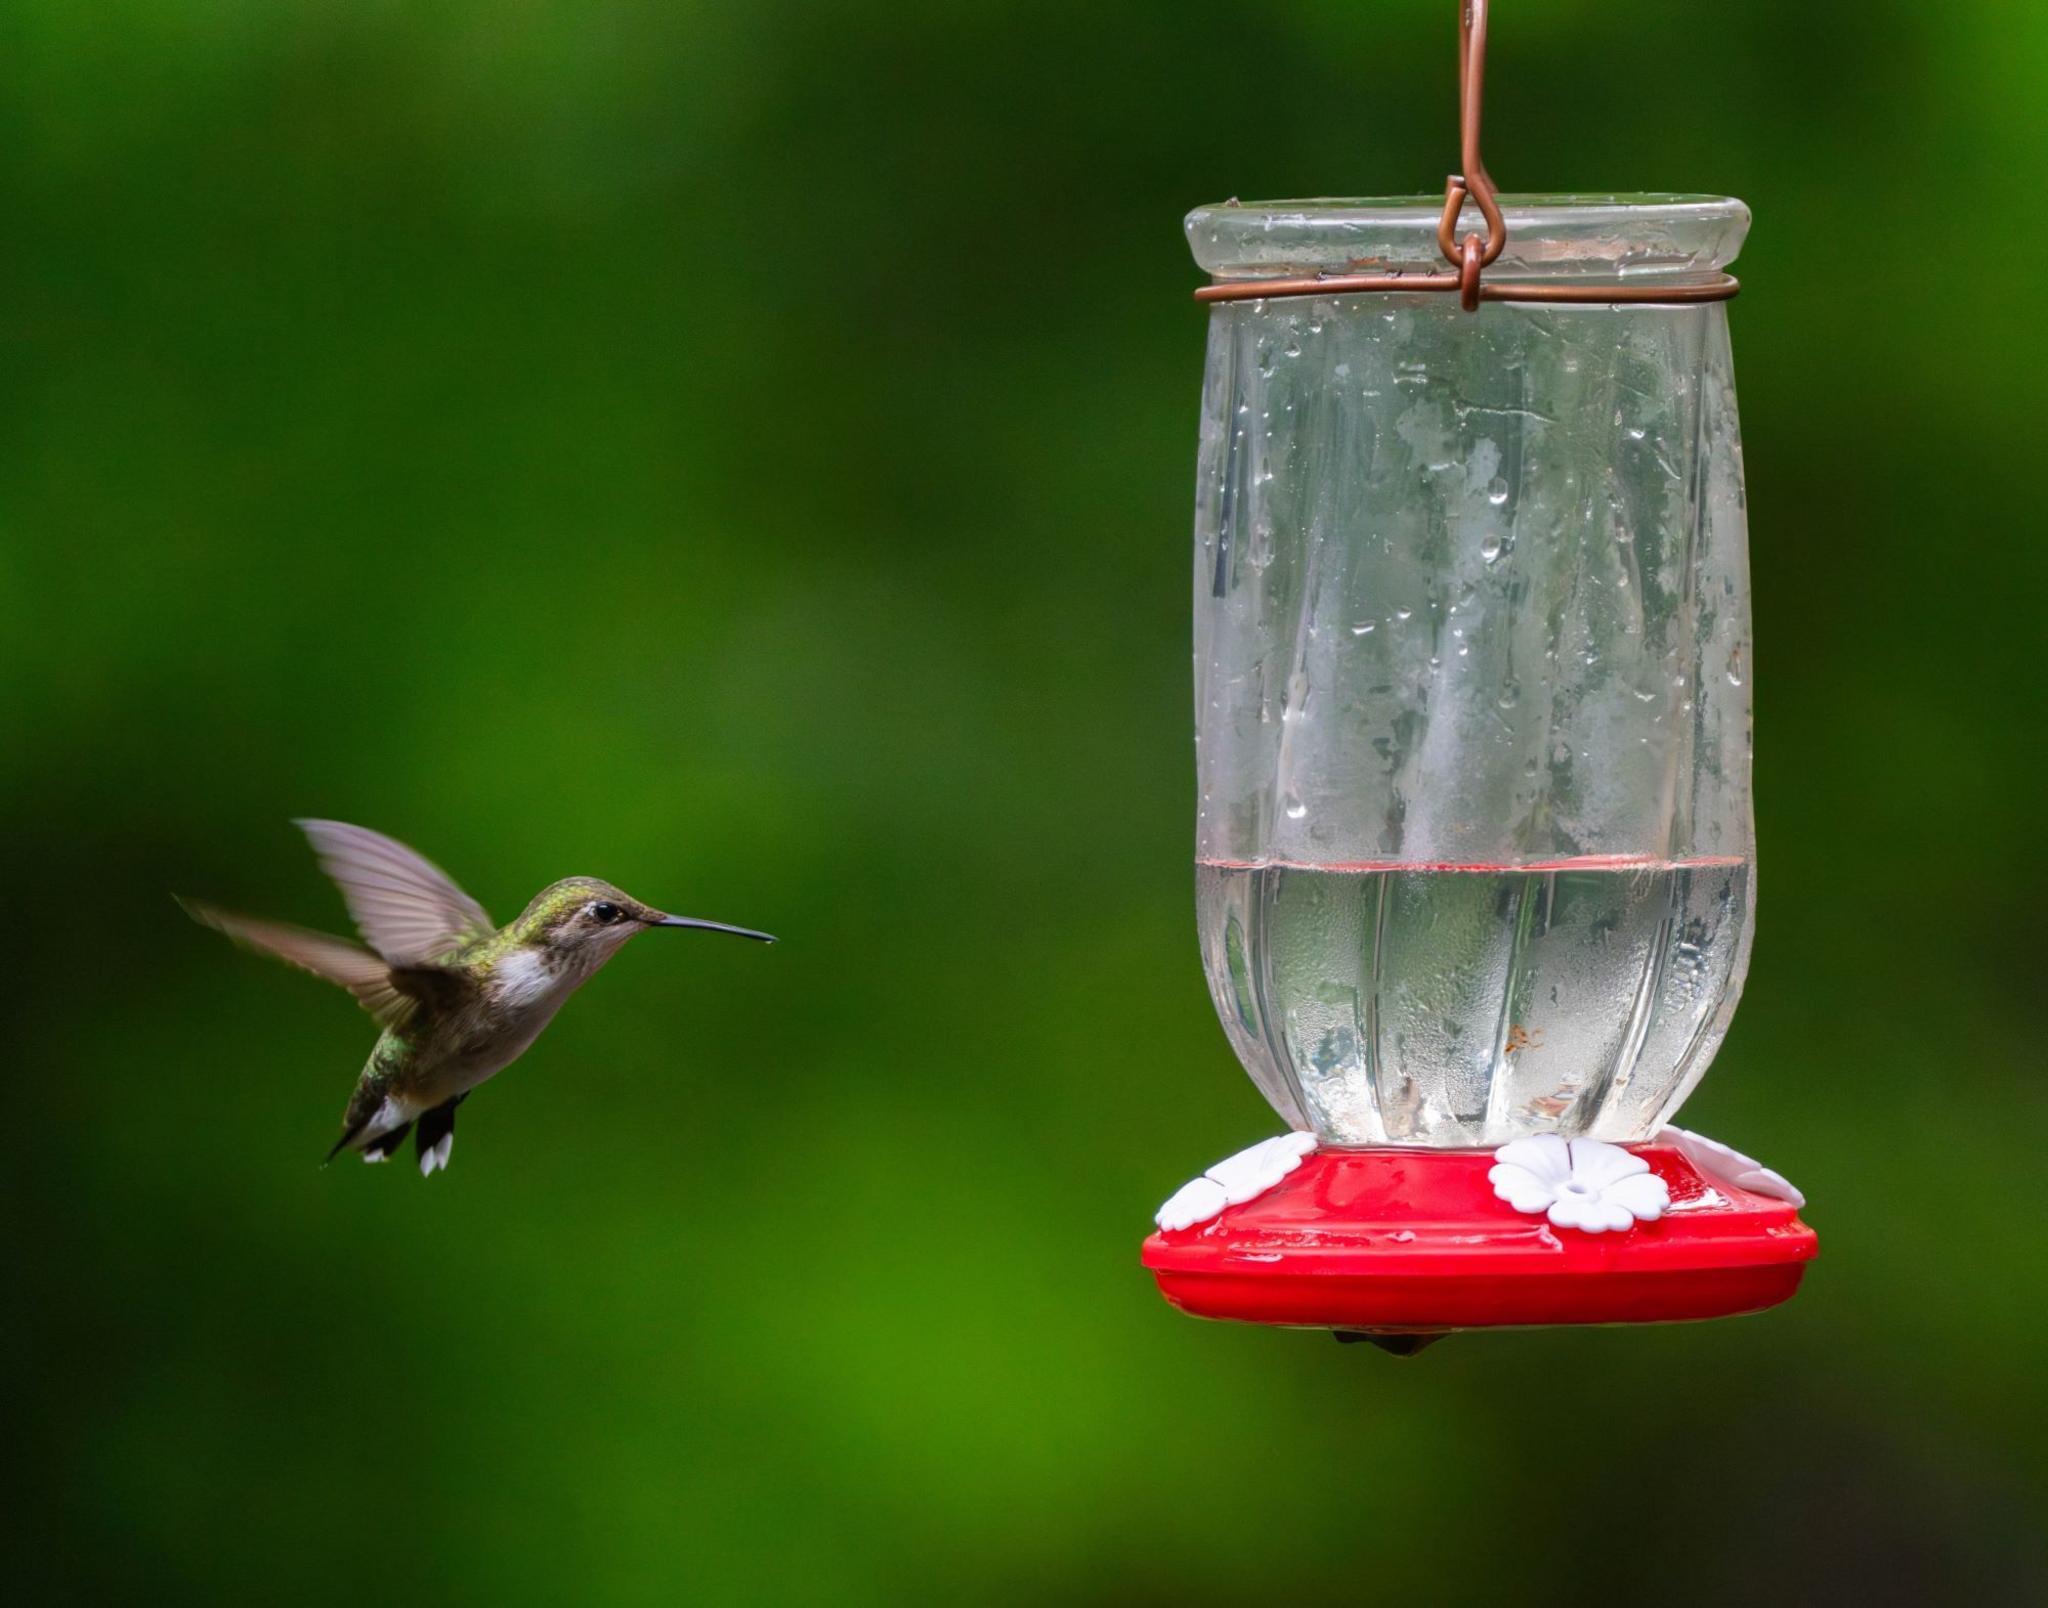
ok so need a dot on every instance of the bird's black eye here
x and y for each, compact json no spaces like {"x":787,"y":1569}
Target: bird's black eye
{"x":604,"y":913}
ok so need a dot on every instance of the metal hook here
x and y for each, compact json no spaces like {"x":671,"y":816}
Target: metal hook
{"x":1475,"y":182}
{"x":1469,"y":255}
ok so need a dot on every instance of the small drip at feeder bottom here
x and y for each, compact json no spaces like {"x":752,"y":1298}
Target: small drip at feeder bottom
{"x":1399,"y":1247}
{"x":1394,"y":1345}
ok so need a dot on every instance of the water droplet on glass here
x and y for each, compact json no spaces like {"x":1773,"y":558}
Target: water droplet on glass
{"x":1365,"y":628}
{"x":1497,"y":491}
{"x":1294,"y":807}
{"x":1510,"y":695}
{"x":1491,"y":547}
{"x":1294,"y":348}
{"x":1402,"y":614}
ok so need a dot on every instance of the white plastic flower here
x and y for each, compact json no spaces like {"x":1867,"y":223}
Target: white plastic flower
{"x":1242,"y":1177}
{"x":1730,"y":1166}
{"x":1578,"y":1183}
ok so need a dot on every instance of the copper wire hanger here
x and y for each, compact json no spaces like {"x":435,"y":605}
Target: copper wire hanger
{"x":1470,"y":256}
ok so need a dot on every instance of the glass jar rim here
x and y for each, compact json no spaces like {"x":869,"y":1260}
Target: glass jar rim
{"x":1669,"y":238}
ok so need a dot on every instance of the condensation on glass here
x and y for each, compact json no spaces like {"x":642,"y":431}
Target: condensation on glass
{"x":1472,"y":675}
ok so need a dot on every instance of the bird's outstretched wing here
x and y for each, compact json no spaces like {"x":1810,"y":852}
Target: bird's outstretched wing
{"x":408,"y":908}
{"x":389,"y":993}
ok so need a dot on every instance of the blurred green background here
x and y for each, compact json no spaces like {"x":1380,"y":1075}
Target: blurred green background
{"x":746,"y":451}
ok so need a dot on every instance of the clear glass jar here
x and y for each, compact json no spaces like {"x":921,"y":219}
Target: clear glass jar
{"x":1472,"y":674}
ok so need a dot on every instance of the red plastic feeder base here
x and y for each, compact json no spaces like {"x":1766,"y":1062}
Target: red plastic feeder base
{"x":1415,"y":1242}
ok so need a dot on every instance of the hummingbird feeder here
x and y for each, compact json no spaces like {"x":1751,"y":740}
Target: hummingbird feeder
{"x":1472,"y":695}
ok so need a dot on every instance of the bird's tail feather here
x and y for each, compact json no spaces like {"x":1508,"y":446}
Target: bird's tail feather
{"x":437,"y":1135}
{"x":381,"y":1148}
{"x":386,"y":1145}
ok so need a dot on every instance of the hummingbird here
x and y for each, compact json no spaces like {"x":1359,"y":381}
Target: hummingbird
{"x":458,"y":998}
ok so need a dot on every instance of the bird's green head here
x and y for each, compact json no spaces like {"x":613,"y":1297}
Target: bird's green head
{"x":589,"y":918}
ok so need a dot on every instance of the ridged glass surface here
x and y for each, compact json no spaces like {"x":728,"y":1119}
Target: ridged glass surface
{"x":1472,"y":700}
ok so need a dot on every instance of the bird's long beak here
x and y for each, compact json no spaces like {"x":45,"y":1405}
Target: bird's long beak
{"x":716,"y":926}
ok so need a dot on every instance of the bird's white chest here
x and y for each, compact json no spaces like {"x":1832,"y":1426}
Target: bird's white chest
{"x":522,"y":979}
